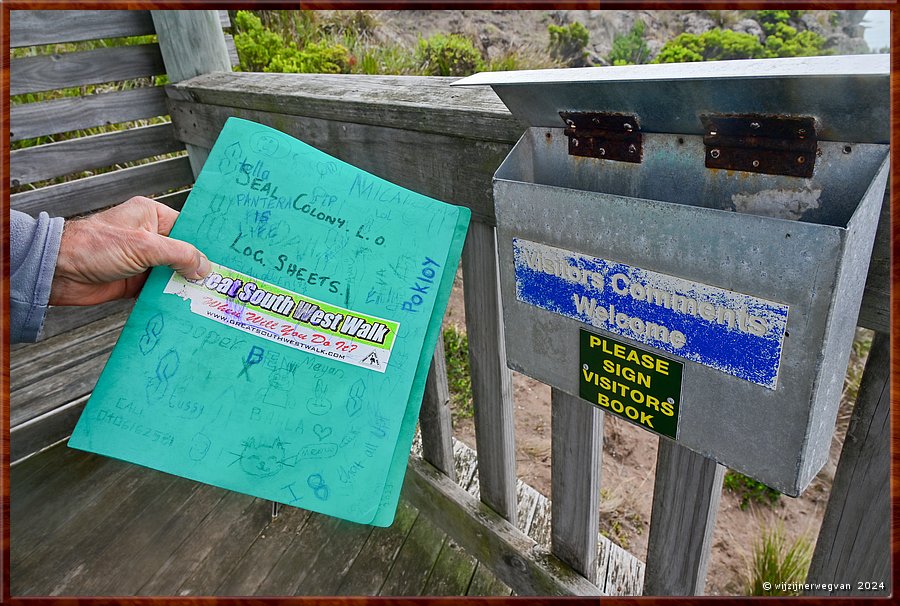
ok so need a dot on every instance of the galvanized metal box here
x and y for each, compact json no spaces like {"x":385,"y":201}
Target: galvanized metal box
{"x":750,"y":280}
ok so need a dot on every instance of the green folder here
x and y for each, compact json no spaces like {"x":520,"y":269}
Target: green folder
{"x":295,"y":371}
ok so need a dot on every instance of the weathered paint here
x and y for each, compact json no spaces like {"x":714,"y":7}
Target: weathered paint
{"x":726,"y":343}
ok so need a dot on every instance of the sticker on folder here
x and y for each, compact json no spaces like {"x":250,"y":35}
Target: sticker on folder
{"x":257,"y":307}
{"x":295,"y":370}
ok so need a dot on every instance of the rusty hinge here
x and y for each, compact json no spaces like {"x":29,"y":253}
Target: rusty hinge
{"x":603,"y":135}
{"x":774,"y":145}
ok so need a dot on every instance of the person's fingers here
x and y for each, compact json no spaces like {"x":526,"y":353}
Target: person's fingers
{"x":165,"y":217}
{"x":177,"y":254}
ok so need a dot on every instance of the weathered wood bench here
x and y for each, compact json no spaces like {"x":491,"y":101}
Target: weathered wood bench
{"x":114,"y":528}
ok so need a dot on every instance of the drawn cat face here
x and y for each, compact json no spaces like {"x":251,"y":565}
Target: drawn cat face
{"x":262,"y":459}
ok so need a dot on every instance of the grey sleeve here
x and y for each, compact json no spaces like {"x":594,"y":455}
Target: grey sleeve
{"x":33,"y":247}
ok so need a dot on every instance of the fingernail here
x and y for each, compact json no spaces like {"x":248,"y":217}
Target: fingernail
{"x":204,"y":268}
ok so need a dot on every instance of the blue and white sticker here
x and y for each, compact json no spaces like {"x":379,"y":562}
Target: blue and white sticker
{"x":738,"y":334}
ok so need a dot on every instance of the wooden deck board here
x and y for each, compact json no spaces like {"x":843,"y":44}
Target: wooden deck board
{"x":452,"y":572}
{"x":484,"y":583}
{"x":415,"y":560}
{"x":250,"y":571}
{"x":83,"y":524}
{"x":53,"y":565}
{"x":369,"y":570}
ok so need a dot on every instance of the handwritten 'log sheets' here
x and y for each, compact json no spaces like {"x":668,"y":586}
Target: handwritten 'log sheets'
{"x":293,"y":372}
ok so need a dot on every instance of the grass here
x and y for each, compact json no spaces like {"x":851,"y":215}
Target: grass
{"x":749,"y":490}
{"x":456,"y":353}
{"x":776,"y":564}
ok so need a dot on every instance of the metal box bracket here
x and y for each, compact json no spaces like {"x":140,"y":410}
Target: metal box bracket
{"x":602,"y":135}
{"x":774,"y":145}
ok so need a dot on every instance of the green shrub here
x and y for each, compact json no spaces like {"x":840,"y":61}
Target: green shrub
{"x":712,"y":45}
{"x":256,"y":45}
{"x":456,"y":353}
{"x":260,"y":49}
{"x":775,"y":562}
{"x":749,"y":489}
{"x":443,"y":55}
{"x":568,"y":42}
{"x":631,"y":48}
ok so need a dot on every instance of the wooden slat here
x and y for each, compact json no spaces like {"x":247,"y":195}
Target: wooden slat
{"x":59,"y":388}
{"x":240,"y":533}
{"x":874,"y":312}
{"x":34,"y":28}
{"x":291,"y":568}
{"x":55,"y":425}
{"x":484,"y":583}
{"x":159,"y":538}
{"x":93,"y":193}
{"x":454,"y":170}
{"x":853,"y":545}
{"x":203,"y":539}
{"x":434,"y":419}
{"x":133,"y":539}
{"x":323,"y":575}
{"x":75,"y":155}
{"x":371,"y":567}
{"x":25,"y":364}
{"x":233,"y":58}
{"x":415,"y":560}
{"x":452,"y":572}
{"x":47,"y":567}
{"x":685,"y":503}
{"x":30,"y":120}
{"x":49,"y":72}
{"x":491,"y":378}
{"x":192,"y":44}
{"x":419,"y":103}
{"x":249,"y":572}
{"x":492,"y":540}
{"x":61,"y":319}
{"x":576,"y":445}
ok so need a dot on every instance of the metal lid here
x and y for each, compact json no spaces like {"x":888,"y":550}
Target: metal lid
{"x":848,"y":95}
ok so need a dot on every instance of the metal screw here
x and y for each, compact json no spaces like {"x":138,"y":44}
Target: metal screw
{"x":570,"y":122}
{"x":632,"y":149}
{"x":596,"y":121}
{"x":801,"y":159}
{"x":847,"y":149}
{"x":755,"y":163}
{"x":754,"y":125}
{"x":576,"y":142}
{"x":714,"y":153}
{"x":713,"y":133}
{"x":628,"y":126}
{"x":601,"y":151}
{"x":801,"y":132}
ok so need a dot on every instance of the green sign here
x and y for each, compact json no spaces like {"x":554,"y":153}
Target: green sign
{"x":632,"y":383}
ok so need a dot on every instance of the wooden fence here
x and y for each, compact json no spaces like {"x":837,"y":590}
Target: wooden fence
{"x":445,"y":143}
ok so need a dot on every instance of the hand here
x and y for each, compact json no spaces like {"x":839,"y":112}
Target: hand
{"x":108,"y":255}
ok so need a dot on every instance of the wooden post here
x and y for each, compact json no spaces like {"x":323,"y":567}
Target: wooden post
{"x":685,"y":503}
{"x":854,"y":543}
{"x":192,"y":43}
{"x":577,"y":440}
{"x":434,"y":420}
{"x":491,"y":379}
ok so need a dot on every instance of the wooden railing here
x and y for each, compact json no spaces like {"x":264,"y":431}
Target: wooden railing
{"x":446,"y":143}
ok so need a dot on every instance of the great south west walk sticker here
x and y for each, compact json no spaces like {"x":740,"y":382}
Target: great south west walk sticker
{"x":306,"y":324}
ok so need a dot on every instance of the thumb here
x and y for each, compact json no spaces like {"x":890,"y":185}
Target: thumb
{"x":179,"y":255}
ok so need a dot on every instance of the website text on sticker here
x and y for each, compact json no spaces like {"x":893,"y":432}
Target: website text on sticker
{"x":256,"y":307}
